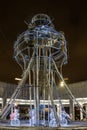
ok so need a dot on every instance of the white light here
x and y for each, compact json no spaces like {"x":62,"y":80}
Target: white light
{"x":17,"y":79}
{"x":15,"y":104}
{"x":62,"y":84}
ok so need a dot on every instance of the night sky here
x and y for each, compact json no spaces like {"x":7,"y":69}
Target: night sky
{"x":69,"y":16}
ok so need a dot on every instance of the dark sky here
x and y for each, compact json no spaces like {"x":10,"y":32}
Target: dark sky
{"x":69,"y":16}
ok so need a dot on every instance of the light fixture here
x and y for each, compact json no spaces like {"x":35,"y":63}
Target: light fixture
{"x":61,"y":84}
{"x":18,"y":79}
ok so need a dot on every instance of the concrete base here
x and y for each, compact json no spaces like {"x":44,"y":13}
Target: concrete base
{"x":42,"y":128}
{"x":24,"y":126}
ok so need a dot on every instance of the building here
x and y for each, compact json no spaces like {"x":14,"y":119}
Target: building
{"x":79,"y":90}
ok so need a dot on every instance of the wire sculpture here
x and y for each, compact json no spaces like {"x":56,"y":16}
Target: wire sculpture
{"x":41,"y":52}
